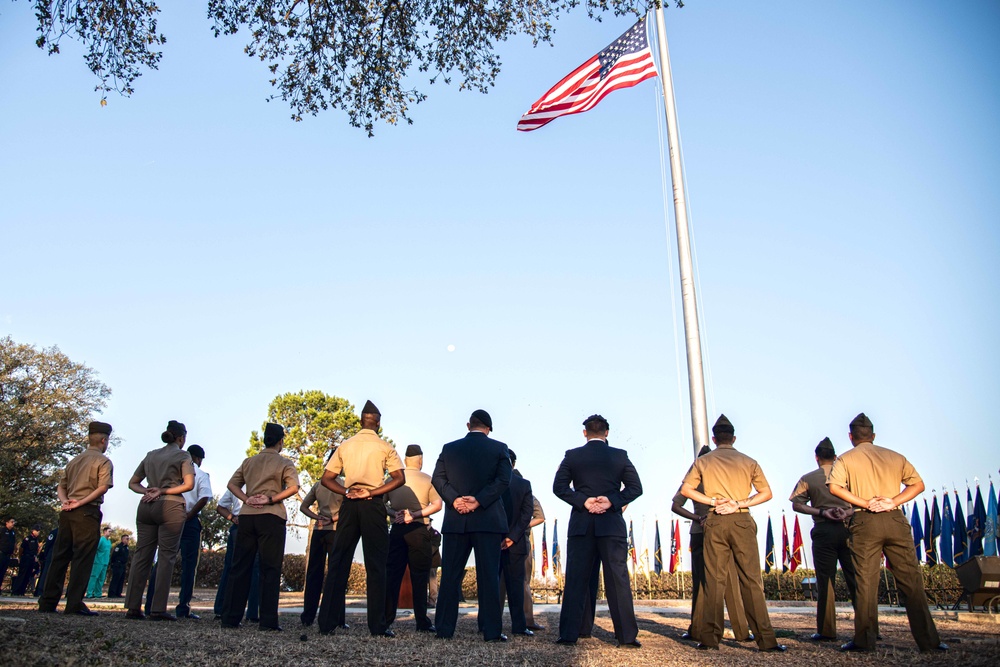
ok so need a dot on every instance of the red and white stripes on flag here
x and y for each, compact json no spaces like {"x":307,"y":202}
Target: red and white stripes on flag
{"x":622,"y":64}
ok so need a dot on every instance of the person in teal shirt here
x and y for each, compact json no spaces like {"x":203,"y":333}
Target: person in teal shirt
{"x":100,"y":570}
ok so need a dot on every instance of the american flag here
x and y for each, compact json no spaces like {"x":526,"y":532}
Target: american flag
{"x":622,"y":64}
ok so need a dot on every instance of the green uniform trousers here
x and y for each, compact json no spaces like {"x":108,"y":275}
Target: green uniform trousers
{"x":731,"y":544}
{"x":888,"y":532}
{"x":829,"y":546}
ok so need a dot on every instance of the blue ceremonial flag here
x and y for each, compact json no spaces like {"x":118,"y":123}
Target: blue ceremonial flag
{"x":769,"y":547}
{"x":556,"y":559}
{"x":918,"y":533}
{"x":930,"y":553}
{"x":657,"y":553}
{"x":961,"y":535}
{"x":977,"y":525}
{"x":947,"y":530}
{"x":990,"y":532}
{"x":935,"y":529}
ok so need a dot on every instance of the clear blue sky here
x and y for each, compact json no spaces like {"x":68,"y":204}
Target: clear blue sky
{"x":204,"y":253}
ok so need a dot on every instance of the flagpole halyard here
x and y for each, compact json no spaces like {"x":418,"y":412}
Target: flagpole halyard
{"x":692,"y":335}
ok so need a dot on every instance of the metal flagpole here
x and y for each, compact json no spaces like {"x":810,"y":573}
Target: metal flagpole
{"x":692,"y":335}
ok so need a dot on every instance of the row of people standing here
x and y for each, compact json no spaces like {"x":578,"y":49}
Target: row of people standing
{"x":854,"y":500}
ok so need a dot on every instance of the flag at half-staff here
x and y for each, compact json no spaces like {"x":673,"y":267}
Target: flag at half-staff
{"x":622,"y":64}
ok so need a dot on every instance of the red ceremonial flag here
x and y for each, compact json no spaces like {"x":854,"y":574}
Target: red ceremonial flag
{"x":796,"y":545}
{"x":545,"y":553}
{"x":622,"y":64}
{"x":786,"y":552}
{"x":675,"y":547}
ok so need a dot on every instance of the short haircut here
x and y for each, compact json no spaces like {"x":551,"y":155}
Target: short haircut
{"x":723,"y":438}
{"x":862,"y":433}
{"x":370,"y":418}
{"x":513,"y":456}
{"x":596,"y":425}
{"x":474,"y":422}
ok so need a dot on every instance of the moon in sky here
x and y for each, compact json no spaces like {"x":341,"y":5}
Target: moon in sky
{"x":451,"y":348}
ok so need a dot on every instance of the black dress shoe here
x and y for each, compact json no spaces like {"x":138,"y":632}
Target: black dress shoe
{"x":135,"y":615}
{"x":218,"y":617}
{"x":817,"y":637}
{"x":851,"y":646}
{"x":83,"y":611}
{"x":344,"y":626}
{"x":526,"y":633}
{"x":46,"y":610}
{"x":385,"y":633}
{"x":230,"y":626}
{"x":429,"y":628}
{"x":777,"y":648}
{"x":193,"y":617}
{"x":632,"y":644}
{"x":270,"y":628}
{"x":687,"y":635}
{"x":501,"y":638}
{"x":706,"y":647}
{"x":940,"y":647}
{"x":748,"y":638}
{"x":162,"y":616}
{"x":536,"y":627}
{"x":567,"y":642}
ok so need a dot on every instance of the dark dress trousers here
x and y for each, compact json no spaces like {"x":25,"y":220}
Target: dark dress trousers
{"x":517,"y":503}
{"x":475,"y":466}
{"x":26,"y":565}
{"x":597,"y":470}
{"x":118,"y":563}
{"x":46,"y":557}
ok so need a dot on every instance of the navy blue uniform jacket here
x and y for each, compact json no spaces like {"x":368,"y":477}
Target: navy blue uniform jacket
{"x":473,"y":466}
{"x":597,"y":470}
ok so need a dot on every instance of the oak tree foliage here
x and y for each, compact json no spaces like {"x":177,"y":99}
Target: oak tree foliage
{"x":46,"y":402}
{"x":368,"y":58}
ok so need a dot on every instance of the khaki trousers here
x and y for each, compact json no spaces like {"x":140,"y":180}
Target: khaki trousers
{"x":734,"y":602}
{"x":158,"y":526}
{"x":888,"y":532}
{"x":731,"y":543}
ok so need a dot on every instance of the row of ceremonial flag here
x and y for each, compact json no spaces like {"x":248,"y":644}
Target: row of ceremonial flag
{"x":940,"y":535}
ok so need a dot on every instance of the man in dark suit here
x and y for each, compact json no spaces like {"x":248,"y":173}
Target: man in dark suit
{"x":471,"y":474}
{"x":603,"y":481}
{"x":518,"y":504}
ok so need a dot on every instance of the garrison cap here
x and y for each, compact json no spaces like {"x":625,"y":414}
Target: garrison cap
{"x":414,"y":450}
{"x":861,"y":421}
{"x":99,"y":427}
{"x":196,"y":450}
{"x":723,"y":425}
{"x":370,"y":409}
{"x":273,"y":433}
{"x":483,"y":418}
{"x":825,"y":449}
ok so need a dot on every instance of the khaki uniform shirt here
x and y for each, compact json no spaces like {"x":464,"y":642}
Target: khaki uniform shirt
{"x":165,"y":468}
{"x":87,"y":471}
{"x":416,"y":494}
{"x":364,"y":460}
{"x":868,"y":471}
{"x":812,"y":490}
{"x":536,"y":513}
{"x":701,"y":509}
{"x":726,"y":473}
{"x":267,"y":472}
{"x":328,"y":505}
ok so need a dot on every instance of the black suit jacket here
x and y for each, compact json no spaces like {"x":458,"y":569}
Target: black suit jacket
{"x":597,"y":470}
{"x":473,"y":466}
{"x":519,"y":498}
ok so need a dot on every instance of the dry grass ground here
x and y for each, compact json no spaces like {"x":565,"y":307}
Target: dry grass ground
{"x":110,"y":639}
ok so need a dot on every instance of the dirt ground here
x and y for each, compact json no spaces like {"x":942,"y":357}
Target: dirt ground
{"x":30,"y":638}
